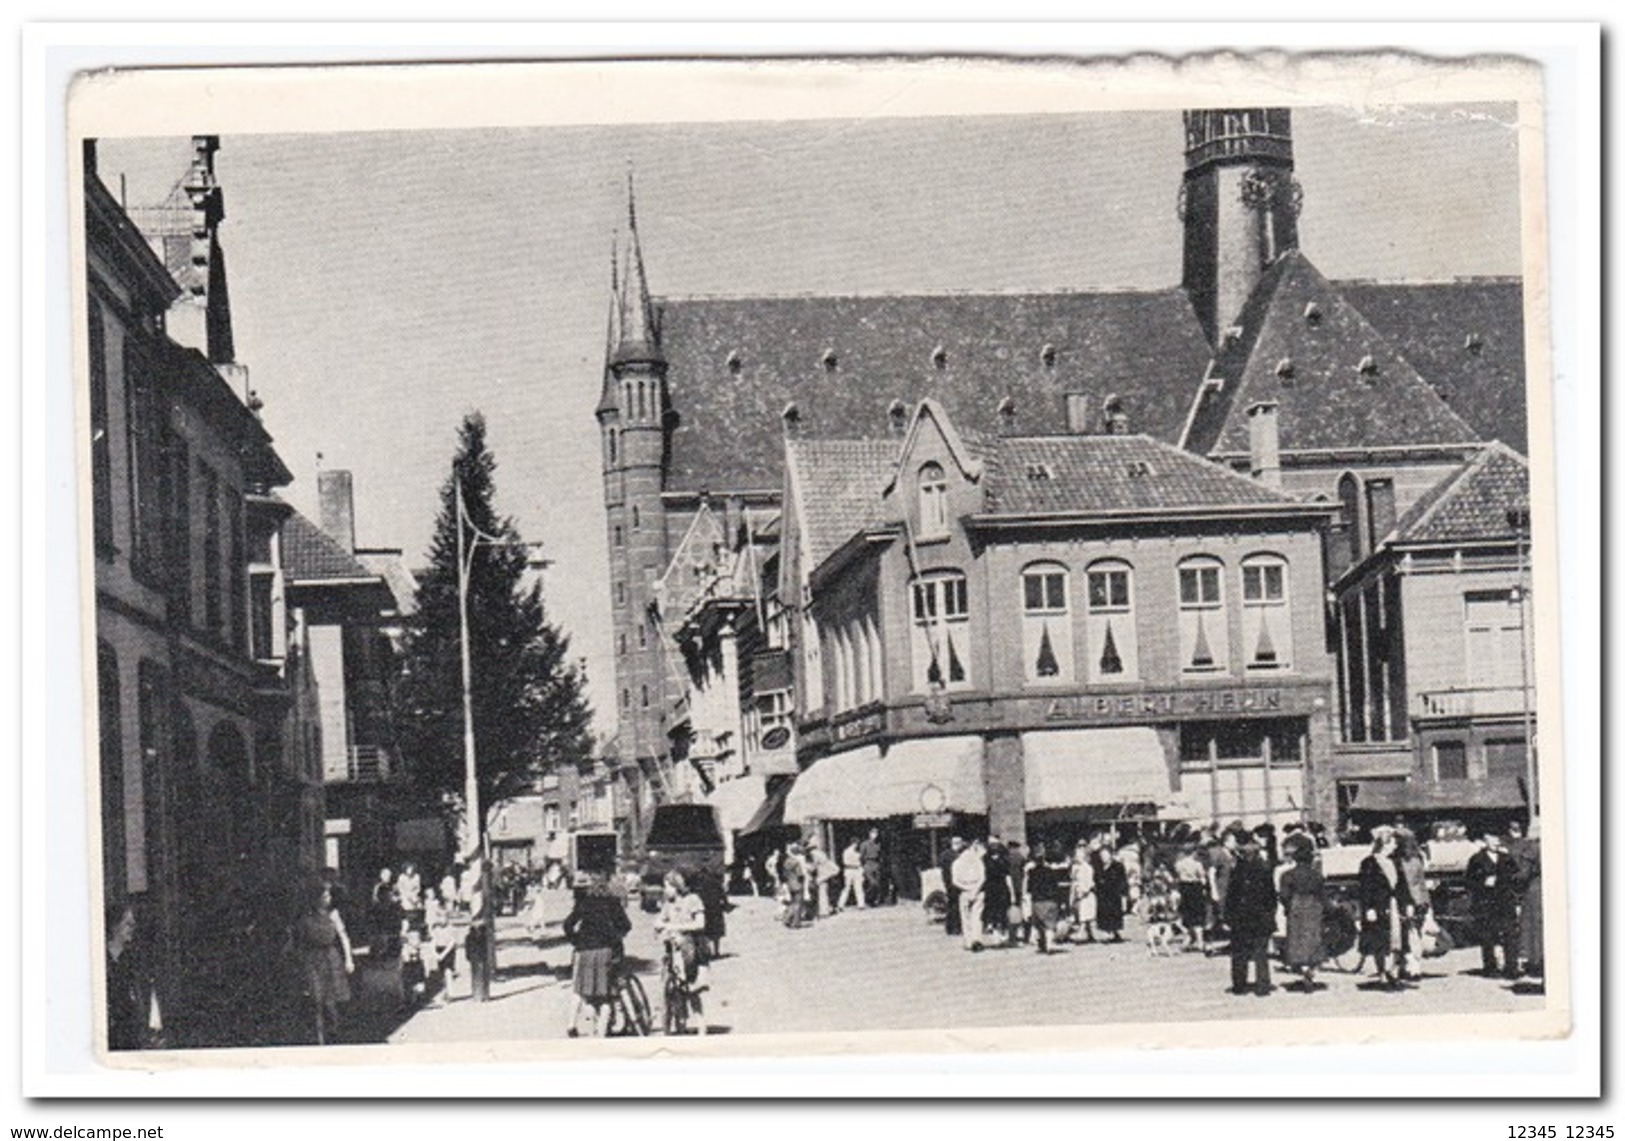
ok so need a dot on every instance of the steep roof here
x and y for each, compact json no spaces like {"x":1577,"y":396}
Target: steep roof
{"x":1466,"y":339}
{"x":736,"y":362}
{"x":1472,"y":504}
{"x":1084,"y":474}
{"x":1339,"y":382}
{"x":310,"y":554}
{"x":838,"y":489}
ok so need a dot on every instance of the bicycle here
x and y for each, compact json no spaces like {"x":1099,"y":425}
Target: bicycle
{"x":629,"y":1012}
{"x":675,"y":991}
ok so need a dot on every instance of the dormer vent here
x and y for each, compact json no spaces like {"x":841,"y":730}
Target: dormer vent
{"x":830,"y":360}
{"x":1231,"y":334}
{"x":735,"y":365}
{"x":1284,"y":369}
{"x":1368,"y":365}
{"x":939,"y":358}
{"x":1138,"y":469}
{"x":1473,"y":344}
{"x":1039,"y":473}
{"x":1007,"y":415}
{"x":1311,"y":314}
{"x":791,"y":418}
{"x":896,"y":417}
{"x":1047,"y":355}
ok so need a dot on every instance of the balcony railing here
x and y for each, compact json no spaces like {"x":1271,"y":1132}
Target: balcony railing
{"x":1485,"y":701}
{"x":368,"y":764}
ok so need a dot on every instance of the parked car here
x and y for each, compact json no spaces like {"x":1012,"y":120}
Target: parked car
{"x":685,"y":838}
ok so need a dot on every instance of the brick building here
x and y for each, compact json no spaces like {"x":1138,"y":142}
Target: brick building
{"x":1380,"y":390}
{"x":205,"y":809}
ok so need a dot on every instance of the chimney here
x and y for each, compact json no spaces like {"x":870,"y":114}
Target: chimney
{"x":791,"y":418}
{"x":897,"y":418}
{"x":1113,"y":419}
{"x":337,"y":496}
{"x":1264,"y":438}
{"x":1077,"y":413}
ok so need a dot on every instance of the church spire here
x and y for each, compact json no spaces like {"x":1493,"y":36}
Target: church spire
{"x":638,"y":322}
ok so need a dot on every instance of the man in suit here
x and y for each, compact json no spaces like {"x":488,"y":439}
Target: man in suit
{"x":1493,"y":882}
{"x":1249,"y":913}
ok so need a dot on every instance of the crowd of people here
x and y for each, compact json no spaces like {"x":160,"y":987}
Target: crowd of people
{"x":1257,"y":897}
{"x":810,"y":884}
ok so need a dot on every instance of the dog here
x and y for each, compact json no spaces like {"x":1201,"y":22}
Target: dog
{"x":1163,"y":936}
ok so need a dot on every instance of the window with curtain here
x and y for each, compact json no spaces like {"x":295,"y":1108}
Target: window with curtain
{"x":941,"y":639}
{"x":1046,"y":625}
{"x":1114,"y":653}
{"x":933,"y":502}
{"x":1266,"y":616}
{"x":1204,"y":644}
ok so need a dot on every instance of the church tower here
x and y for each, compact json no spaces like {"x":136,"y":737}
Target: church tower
{"x":1239,"y":202}
{"x":635,"y":420}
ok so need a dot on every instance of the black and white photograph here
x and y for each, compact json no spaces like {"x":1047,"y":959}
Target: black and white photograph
{"x":588,"y":560}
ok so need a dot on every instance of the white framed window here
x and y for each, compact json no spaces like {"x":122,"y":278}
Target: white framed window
{"x":812,"y":663}
{"x":933,"y":502}
{"x":1046,"y":625}
{"x":941,"y":632}
{"x":1204,"y":641}
{"x":1114,"y":645}
{"x":1494,"y":629}
{"x":1266,"y":613}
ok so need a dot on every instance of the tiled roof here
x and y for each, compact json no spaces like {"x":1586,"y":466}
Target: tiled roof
{"x":1466,"y":339}
{"x":1339,"y":382}
{"x":839,"y":484}
{"x":1043,"y":474}
{"x":1473,"y":503}
{"x":735,"y":364}
{"x":310,"y":554}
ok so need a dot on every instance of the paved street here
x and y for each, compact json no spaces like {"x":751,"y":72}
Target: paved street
{"x":889,"y":969}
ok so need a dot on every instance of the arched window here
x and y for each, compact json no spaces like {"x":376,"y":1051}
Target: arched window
{"x":1114,"y":653}
{"x":941,"y":632}
{"x":1204,"y":642}
{"x":1266,"y":613}
{"x":1046,"y":624}
{"x":933,"y":502}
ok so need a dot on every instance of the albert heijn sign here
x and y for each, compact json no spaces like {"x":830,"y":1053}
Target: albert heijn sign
{"x":1185,"y":703}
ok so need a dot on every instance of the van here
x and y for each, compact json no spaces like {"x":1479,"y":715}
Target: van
{"x":682,"y":837}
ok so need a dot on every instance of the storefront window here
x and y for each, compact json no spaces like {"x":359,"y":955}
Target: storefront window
{"x":1450,"y":760}
{"x":1046,"y":624}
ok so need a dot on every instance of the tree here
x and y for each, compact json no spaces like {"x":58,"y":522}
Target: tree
{"x":530,"y":712}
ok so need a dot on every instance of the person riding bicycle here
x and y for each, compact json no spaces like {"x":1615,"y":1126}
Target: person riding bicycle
{"x":681,"y":926}
{"x":596,"y":927}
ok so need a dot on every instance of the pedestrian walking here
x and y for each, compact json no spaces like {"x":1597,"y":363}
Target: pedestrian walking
{"x":1303,"y":898}
{"x":869,"y":864}
{"x":1191,"y":877}
{"x":996,"y":892}
{"x":1249,"y":913}
{"x":824,"y":871}
{"x":596,"y":928}
{"x":1492,"y":884}
{"x":1048,"y":883}
{"x":324,"y":959}
{"x":1221,"y":863}
{"x":134,"y":1019}
{"x":970,"y":878}
{"x":1412,"y":863}
{"x":1083,"y":890}
{"x":1111,"y":895}
{"x":952,"y":924}
{"x":794,"y":883}
{"x":1384,"y":901}
{"x":852,"y":877}
{"x":1531,"y":912}
{"x":1021,"y":912}
{"x":409,"y":895}
{"x":384,"y":918}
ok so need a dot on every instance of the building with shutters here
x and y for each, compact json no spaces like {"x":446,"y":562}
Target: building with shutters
{"x":1377,"y":394}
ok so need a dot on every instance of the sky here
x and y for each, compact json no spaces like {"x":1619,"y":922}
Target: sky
{"x":383,"y":284}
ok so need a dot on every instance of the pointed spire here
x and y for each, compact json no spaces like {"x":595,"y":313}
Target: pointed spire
{"x":639,"y":326}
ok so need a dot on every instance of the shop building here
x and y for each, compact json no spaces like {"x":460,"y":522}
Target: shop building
{"x":1031,"y":635}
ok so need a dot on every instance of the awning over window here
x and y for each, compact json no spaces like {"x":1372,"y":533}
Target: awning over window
{"x":770,"y":813}
{"x":930,"y":774}
{"x":1076,"y":768}
{"x":736,"y":800}
{"x":1493,"y":794}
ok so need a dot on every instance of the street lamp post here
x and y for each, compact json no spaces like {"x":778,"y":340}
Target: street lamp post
{"x":482,"y":961}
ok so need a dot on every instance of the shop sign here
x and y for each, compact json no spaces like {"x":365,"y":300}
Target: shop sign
{"x":933,"y":820}
{"x":865,"y":726}
{"x":1168,"y":703}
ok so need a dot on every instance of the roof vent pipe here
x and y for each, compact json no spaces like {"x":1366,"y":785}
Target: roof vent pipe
{"x":1264,"y":443}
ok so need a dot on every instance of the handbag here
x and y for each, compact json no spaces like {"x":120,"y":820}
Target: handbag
{"x":1015,"y":916}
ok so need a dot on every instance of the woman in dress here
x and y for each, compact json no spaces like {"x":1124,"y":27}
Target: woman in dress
{"x":324,"y":962}
{"x":1410,"y":860}
{"x":997,"y":894}
{"x":595,"y":928}
{"x":1111,"y":895}
{"x":1191,"y":878}
{"x":1047,"y":888}
{"x":1384,"y":901}
{"x":1083,"y":890}
{"x":1303,"y":898}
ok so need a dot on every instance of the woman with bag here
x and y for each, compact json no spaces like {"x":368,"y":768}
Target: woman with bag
{"x":1111,"y":895}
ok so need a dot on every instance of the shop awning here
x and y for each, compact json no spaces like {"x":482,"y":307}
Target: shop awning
{"x":930,"y":774}
{"x":736,"y":800}
{"x":770,"y":813}
{"x":1078,"y":768}
{"x":1494,"y":794}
